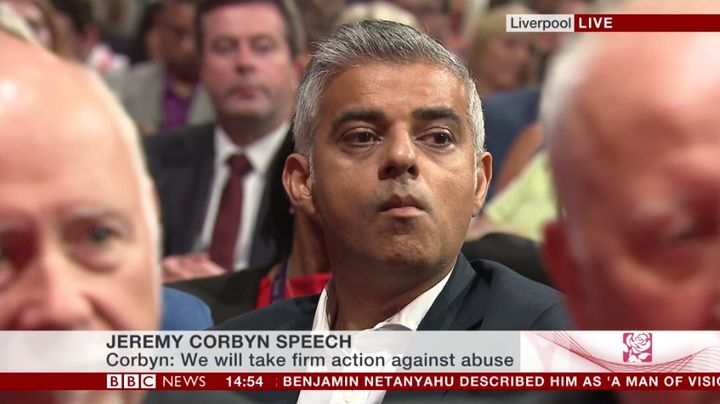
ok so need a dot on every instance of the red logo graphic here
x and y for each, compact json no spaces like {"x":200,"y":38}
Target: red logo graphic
{"x":638,"y":347}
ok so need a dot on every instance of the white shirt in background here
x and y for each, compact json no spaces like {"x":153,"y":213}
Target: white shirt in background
{"x":260,"y":155}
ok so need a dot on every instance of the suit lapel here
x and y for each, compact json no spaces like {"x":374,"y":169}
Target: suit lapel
{"x":189,"y":182}
{"x":460,"y":306}
{"x":201,"y":109}
{"x":303,"y":320}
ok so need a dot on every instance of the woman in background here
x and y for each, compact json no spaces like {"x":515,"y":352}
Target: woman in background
{"x":40,"y":17}
{"x":499,"y":60}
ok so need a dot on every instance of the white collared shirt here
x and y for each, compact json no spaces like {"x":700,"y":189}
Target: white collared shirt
{"x":260,"y":154}
{"x":408,"y":318}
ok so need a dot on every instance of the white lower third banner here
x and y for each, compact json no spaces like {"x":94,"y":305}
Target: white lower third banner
{"x":386,"y":360}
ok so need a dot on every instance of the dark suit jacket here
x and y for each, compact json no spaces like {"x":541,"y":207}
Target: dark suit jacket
{"x":182,"y":164}
{"x":228,"y":295}
{"x":483,"y":295}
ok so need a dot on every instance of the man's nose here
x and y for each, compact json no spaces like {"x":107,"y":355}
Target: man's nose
{"x":244,"y":58}
{"x":399,"y":157}
{"x":55,"y":294}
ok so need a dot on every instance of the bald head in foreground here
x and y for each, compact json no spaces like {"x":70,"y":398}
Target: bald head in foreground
{"x":78,"y":232}
{"x":634,"y":140}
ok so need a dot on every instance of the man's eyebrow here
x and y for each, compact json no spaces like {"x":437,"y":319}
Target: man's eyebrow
{"x":367,"y":115}
{"x":436,"y":113}
{"x":97,"y":213}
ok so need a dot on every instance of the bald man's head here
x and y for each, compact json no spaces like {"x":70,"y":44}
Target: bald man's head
{"x":633,"y":95}
{"x":634,"y":139}
{"x":78,"y":230}
{"x":650,"y":76}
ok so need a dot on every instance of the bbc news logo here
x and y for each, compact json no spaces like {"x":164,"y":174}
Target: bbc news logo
{"x":131,"y":381}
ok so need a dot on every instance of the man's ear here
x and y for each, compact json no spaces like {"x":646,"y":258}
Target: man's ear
{"x":482,"y":180}
{"x":563,"y":270}
{"x":296,"y":180}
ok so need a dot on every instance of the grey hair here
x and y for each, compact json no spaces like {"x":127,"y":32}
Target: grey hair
{"x":375,"y":41}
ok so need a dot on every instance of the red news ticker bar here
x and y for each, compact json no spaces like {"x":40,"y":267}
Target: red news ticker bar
{"x":360,"y":381}
{"x":647,"y":22}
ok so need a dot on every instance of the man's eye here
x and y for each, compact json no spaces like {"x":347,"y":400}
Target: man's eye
{"x":685,"y":231}
{"x":441,"y":138}
{"x":264,"y":45}
{"x":89,"y":237}
{"x":438,"y":139}
{"x":96,"y":244}
{"x":361,"y":138}
{"x":100,"y":234}
{"x":223,"y":47}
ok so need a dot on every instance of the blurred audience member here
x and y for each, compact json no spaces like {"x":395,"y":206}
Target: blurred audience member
{"x":499,"y":60}
{"x":113,"y":229}
{"x":40,"y":17}
{"x":214,"y":181}
{"x":119,"y":18}
{"x":77,"y":250}
{"x":319,"y":16}
{"x":167,"y":94}
{"x":513,"y":133}
{"x":634,"y":144}
{"x":377,"y":10}
{"x":547,"y":43}
{"x":146,"y":43}
{"x":455,"y":39}
{"x":81,"y":35}
{"x":433,"y":15}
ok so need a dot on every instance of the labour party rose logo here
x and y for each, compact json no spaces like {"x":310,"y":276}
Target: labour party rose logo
{"x":638,"y":347}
